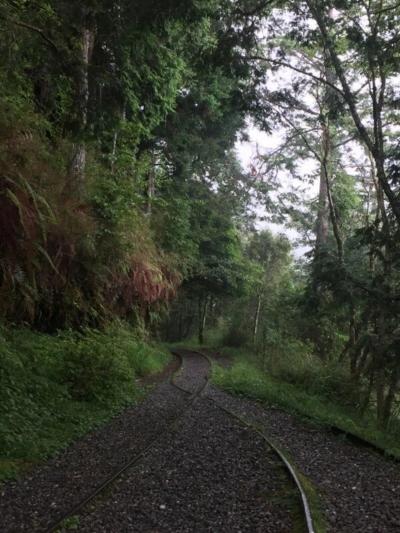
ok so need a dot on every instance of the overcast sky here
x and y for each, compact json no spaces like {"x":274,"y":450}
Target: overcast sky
{"x":263,"y":143}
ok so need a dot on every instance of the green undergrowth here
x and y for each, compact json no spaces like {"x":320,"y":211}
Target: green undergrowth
{"x":212,"y":342}
{"x":246,"y":378}
{"x":54,"y":389}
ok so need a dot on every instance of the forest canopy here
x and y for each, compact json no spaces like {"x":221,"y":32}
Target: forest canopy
{"x":122,"y":196}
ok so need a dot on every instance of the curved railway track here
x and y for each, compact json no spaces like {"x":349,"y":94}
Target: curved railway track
{"x":106,"y":483}
{"x":288,"y":466}
{"x":193,"y":394}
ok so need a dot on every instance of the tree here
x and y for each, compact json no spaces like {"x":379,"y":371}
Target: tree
{"x":272,"y":256}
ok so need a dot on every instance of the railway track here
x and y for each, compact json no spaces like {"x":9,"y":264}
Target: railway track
{"x":106,"y":483}
{"x":288,"y":466}
{"x":193,"y":394}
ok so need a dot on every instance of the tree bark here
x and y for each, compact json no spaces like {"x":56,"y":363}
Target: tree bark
{"x":328,"y":154}
{"x":380,"y":396}
{"x":390,"y":396}
{"x":256,"y":318}
{"x":322,"y":227}
{"x":151,"y":184}
{"x":78,"y":159}
{"x":335,"y":222}
{"x":367,"y":396}
{"x":115,"y":140}
{"x":203,"y":308}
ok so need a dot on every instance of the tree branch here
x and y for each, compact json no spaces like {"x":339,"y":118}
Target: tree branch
{"x":296,"y":69}
{"x":305,"y":140}
{"x":36,"y":30}
{"x":259,"y":7}
{"x":385,"y":9}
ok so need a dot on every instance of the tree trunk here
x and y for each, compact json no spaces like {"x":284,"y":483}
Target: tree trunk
{"x":326,"y":208}
{"x":380,"y":396}
{"x":203,"y":307}
{"x":327,"y":156}
{"x":322,"y":227}
{"x":78,"y":159}
{"x":115,"y":140}
{"x":151,"y":185}
{"x":335,"y":222}
{"x":352,"y":334}
{"x":366,"y":399}
{"x":256,"y":319}
{"x":188,"y":326}
{"x":390,"y":396}
{"x":360,"y":363}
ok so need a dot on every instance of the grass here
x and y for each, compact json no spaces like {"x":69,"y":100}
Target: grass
{"x":247,"y":379}
{"x":315,"y":503}
{"x":288,"y":497}
{"x":54,"y":389}
{"x":69,"y":524}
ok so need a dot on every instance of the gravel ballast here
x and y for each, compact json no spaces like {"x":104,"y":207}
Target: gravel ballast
{"x":194,"y":371}
{"x":37,"y":499}
{"x":209,"y":474}
{"x":360,"y":489}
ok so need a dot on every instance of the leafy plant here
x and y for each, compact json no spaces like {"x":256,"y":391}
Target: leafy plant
{"x":55,"y":388}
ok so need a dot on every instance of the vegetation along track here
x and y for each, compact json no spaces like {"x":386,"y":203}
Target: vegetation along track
{"x":191,"y":380}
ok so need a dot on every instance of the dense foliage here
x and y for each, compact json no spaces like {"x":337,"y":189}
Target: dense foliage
{"x":121,"y":195}
{"x":115,"y":131}
{"x":55,"y":388}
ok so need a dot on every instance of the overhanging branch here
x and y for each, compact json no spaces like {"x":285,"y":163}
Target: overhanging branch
{"x":297,"y":69}
{"x":37,"y":30}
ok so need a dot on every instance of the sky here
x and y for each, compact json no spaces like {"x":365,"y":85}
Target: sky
{"x":262,"y":142}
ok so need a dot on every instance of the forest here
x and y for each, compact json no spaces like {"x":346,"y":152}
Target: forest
{"x":129,"y":222}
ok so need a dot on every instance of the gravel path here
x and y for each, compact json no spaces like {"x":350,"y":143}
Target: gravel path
{"x":194,"y":371}
{"x":210,"y":474}
{"x":36,"y":500}
{"x":206,"y":472}
{"x":360,"y":488}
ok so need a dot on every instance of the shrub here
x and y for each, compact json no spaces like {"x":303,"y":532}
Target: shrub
{"x":235,"y":337}
{"x":95,"y":367}
{"x":54,"y":388}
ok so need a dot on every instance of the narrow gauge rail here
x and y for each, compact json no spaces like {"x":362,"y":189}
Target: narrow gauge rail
{"x":138,"y":457}
{"x":288,"y":466}
{"x":106,"y":483}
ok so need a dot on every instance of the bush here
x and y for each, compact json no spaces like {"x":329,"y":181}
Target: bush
{"x":247,"y":379}
{"x":293,"y":361}
{"x":95,"y":367}
{"x":54,"y":388}
{"x":235,"y":337}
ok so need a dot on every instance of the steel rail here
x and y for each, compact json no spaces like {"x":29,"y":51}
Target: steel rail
{"x":289,"y":467}
{"x":107,"y":482}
